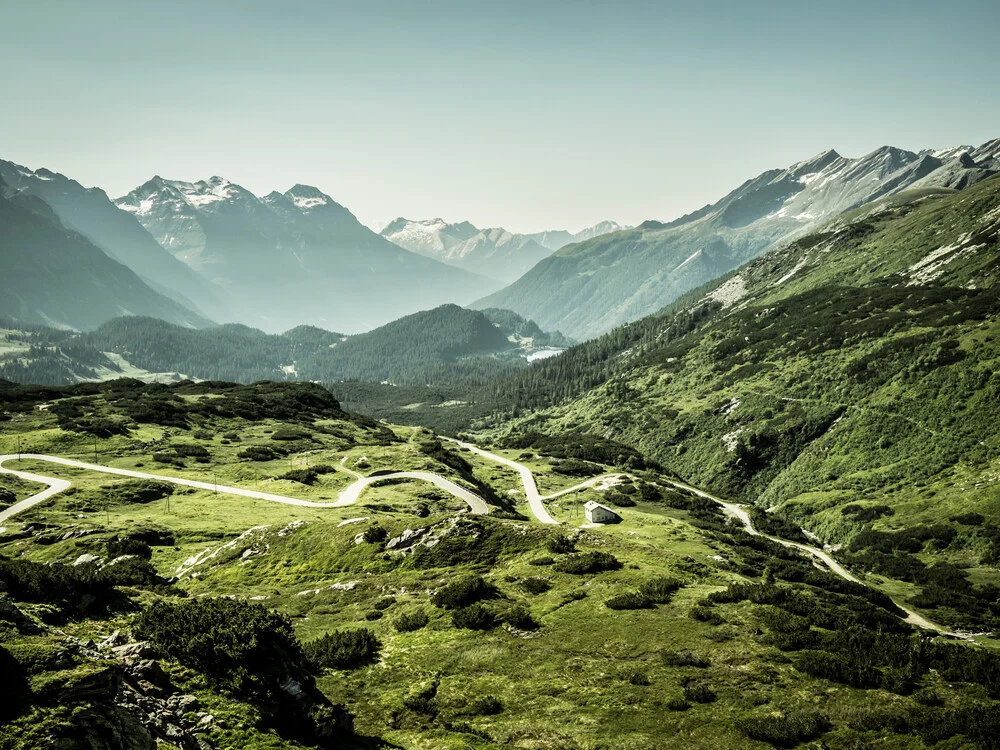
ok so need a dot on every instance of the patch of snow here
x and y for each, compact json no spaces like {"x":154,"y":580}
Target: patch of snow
{"x":798,"y":267}
{"x":690,"y":258}
{"x":544,"y":354}
{"x":352,"y":520}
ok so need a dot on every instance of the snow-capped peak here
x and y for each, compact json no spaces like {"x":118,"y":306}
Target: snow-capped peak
{"x":307,"y":196}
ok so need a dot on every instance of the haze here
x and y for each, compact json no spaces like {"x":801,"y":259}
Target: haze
{"x":526,"y":115}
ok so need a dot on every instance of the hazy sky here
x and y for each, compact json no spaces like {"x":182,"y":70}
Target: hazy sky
{"x":529,"y":115}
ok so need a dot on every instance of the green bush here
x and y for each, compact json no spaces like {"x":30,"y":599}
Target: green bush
{"x":705,"y":614}
{"x":544,"y":560}
{"x":519,"y":617}
{"x":660,"y":590}
{"x":344,"y":649}
{"x":588,"y":562}
{"x":375,"y":534}
{"x":684,"y":658}
{"x":561,"y":545}
{"x":785,"y":731}
{"x":384,"y":603}
{"x":487,"y":705}
{"x":628,"y":600}
{"x":473,"y":617}
{"x":260,"y":453}
{"x":194,"y":451}
{"x":407,"y":623}
{"x":302,"y":476}
{"x":119,"y":546}
{"x":287,"y":432}
{"x":463,"y":592}
{"x":535,"y":585}
{"x":698,"y":693}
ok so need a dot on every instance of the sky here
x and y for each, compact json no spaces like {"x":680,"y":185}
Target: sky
{"x":528,"y":115}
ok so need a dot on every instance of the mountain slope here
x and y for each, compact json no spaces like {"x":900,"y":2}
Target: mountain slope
{"x":855,"y":368}
{"x":90,"y":212}
{"x":56,"y":277}
{"x":495,"y":252}
{"x":587,"y":288}
{"x":293,"y":258}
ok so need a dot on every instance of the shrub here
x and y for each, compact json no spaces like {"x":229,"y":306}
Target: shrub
{"x":384,"y":603}
{"x":7,"y":497}
{"x":407,"y":623}
{"x":119,"y":546}
{"x":473,"y":617}
{"x":785,"y":731}
{"x":519,"y":617}
{"x":373,"y":615}
{"x":677,"y":704}
{"x":588,"y":562}
{"x":698,"y":693}
{"x":561,"y":545}
{"x":704,"y":614}
{"x":544,"y":560}
{"x":375,"y":534}
{"x":535,"y":585}
{"x":291,"y":433}
{"x":487,"y":705}
{"x":463,"y":592}
{"x":302,"y":476}
{"x":684,"y":658}
{"x":195,"y":451}
{"x":344,"y":649}
{"x":635,"y":677}
{"x":660,"y":590}
{"x":628,"y":600}
{"x":260,"y":453}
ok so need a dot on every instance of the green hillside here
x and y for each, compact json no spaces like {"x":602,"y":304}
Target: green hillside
{"x":138,"y":612}
{"x":846,"y":383}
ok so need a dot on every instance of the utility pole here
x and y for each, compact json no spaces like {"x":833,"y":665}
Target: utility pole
{"x":18,"y":447}
{"x":215,"y":481}
{"x":95,"y":449}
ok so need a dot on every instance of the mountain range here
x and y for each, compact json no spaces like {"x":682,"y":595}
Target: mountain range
{"x":496,"y":252}
{"x":295,"y":257}
{"x":587,"y":288}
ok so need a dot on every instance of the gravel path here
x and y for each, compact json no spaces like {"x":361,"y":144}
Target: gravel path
{"x":348,"y":496}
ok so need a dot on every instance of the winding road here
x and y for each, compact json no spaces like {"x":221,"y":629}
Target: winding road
{"x":348,"y":496}
{"x":476,"y":504}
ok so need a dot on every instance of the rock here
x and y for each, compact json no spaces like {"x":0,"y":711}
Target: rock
{"x":406,"y":539}
{"x":151,"y":671}
{"x":115,"y":639}
{"x":206,"y":720}
{"x":25,"y":625}
{"x":139,"y":649}
{"x":186,"y":703}
{"x":88,"y":558}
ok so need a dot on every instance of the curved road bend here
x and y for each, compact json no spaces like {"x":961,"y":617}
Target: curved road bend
{"x":348,"y":496}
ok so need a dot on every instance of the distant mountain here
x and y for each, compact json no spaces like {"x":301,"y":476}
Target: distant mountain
{"x":55,"y":276}
{"x":590,"y":287}
{"x":90,"y":212}
{"x":495,"y":252}
{"x":417,"y":349}
{"x":293,"y":258}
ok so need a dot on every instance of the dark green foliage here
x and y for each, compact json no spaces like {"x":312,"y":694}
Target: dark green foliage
{"x":684,"y":658}
{"x":408,"y":622}
{"x":473,"y":617}
{"x":290,"y":433}
{"x":535,"y":585}
{"x":629,"y":600}
{"x":706,"y":614}
{"x":7,"y":497}
{"x":373,"y":615}
{"x":384,"y":603}
{"x":343,"y":649}
{"x":187,"y":449}
{"x":463,"y":592}
{"x":260,"y":453}
{"x":699,"y":693}
{"x":577,"y":448}
{"x":561,"y":545}
{"x":375,"y":534}
{"x":302,"y":476}
{"x":128,"y":545}
{"x":574,"y":468}
{"x":486,"y":705}
{"x":787,"y":730}
{"x":660,"y":590}
{"x":138,"y":491}
{"x":476,"y":541}
{"x":519,"y":616}
{"x":543,"y":560}
{"x":587,"y":562}
{"x":76,"y":589}
{"x":15,"y":692}
{"x":866,"y":513}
